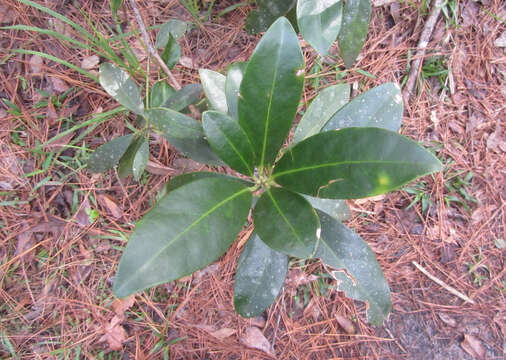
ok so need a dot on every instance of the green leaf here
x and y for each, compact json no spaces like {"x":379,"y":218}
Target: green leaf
{"x":233,"y":81}
{"x":326,"y":104}
{"x":260,"y":274}
{"x":336,"y":208}
{"x":354,"y":28}
{"x":140,"y":160}
{"x":121,"y":87}
{"x":190,"y":227}
{"x":320,"y":22}
{"x":214,"y":87}
{"x":341,"y":248}
{"x":115,"y":5}
{"x":229,"y":141}
{"x":271,"y":89}
{"x":188,"y":95}
{"x":184,"y":179}
{"x":106,"y":156}
{"x":173,"y":27}
{"x":266,"y":13}
{"x":379,"y":107}
{"x":353,"y":163}
{"x":184,"y":133}
{"x":171,"y":53}
{"x":160,"y":93}
{"x":126,"y":164}
{"x":286,"y":222}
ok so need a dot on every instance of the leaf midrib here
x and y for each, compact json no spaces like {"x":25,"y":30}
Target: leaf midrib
{"x":292,"y":229}
{"x":188,"y":228}
{"x":273,"y":86}
{"x":250,"y":171}
{"x":291,"y":171}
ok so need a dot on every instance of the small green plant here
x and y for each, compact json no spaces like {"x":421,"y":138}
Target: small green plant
{"x":299,"y":190}
{"x":421,"y":196}
{"x":457,"y":187}
{"x":319,"y":22}
{"x":479,"y":271}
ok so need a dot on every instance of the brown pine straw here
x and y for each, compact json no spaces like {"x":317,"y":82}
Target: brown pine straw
{"x":55,"y":292}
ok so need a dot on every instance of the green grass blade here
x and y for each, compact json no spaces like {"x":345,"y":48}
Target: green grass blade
{"x":78,"y":27}
{"x":58,"y":60}
{"x":94,"y":120}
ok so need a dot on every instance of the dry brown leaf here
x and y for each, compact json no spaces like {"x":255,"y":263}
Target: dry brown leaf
{"x":158,"y":169}
{"x":372,"y":198}
{"x":24,"y":242}
{"x":111,"y":206}
{"x":82,"y":215}
{"x":254,"y":338}
{"x":495,"y":142}
{"x":59,"y":85}
{"x":447,"y":319}
{"x":258,"y":321}
{"x":35,"y":64}
{"x":119,"y":306}
{"x":89,"y":62}
{"x":183,"y":165}
{"x":187,"y":62}
{"x":222,"y":333}
{"x":7,"y":14}
{"x":378,"y":3}
{"x":297,"y":277}
{"x":114,"y":334}
{"x":501,"y":40}
{"x":473,"y":347}
{"x":346,"y":324}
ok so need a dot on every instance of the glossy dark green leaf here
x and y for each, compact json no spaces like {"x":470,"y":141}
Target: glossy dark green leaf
{"x":379,"y":107}
{"x":319,"y":22}
{"x":184,"y":179}
{"x":233,"y":81}
{"x":115,"y":5}
{"x":322,"y":108}
{"x":173,"y":27}
{"x":126,"y":164}
{"x":188,"y":95}
{"x":106,"y":156}
{"x":353,"y":163}
{"x":160,"y":93}
{"x":354,"y":28}
{"x":260,"y":274}
{"x":286,"y":222}
{"x":336,"y":208}
{"x":341,"y":248}
{"x":214,"y":87}
{"x":271,"y":89}
{"x":190,"y":227}
{"x":140,"y":160}
{"x":121,"y":87}
{"x":229,"y":141}
{"x":171,"y":53}
{"x":184,"y":133}
{"x":266,"y":13}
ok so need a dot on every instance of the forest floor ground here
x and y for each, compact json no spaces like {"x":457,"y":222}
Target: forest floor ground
{"x":62,"y":228}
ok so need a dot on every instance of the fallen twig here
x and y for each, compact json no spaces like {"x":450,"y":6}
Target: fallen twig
{"x":151,"y":50}
{"x":416,"y":64}
{"x":439,"y":282}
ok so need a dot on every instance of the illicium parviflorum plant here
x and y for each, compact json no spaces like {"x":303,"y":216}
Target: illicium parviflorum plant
{"x":340,"y":151}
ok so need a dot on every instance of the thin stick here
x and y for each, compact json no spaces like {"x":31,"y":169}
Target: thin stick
{"x":151,"y":50}
{"x":439,"y":282}
{"x":416,"y":65}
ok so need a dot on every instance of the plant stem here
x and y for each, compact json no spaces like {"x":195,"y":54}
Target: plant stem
{"x":151,"y":50}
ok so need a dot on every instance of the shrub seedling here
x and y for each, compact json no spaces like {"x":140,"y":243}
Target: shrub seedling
{"x":299,"y":189}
